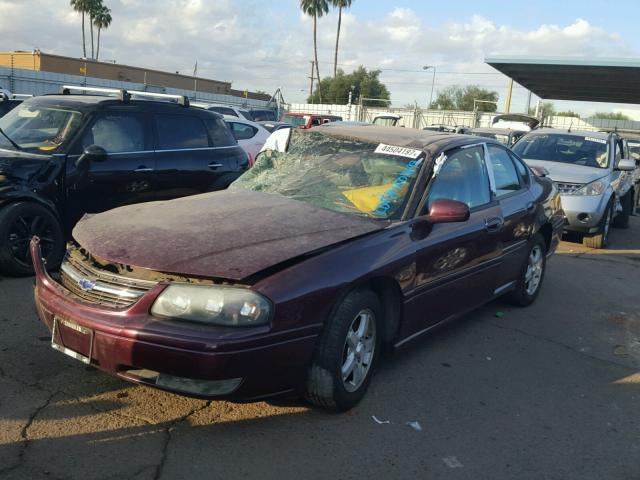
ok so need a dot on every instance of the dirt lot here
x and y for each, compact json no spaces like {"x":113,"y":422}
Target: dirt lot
{"x":552,"y":391}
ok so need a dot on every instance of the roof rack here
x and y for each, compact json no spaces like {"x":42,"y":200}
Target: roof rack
{"x":126,"y":95}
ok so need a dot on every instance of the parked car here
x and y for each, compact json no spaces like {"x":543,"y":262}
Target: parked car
{"x":591,"y":174}
{"x":249,"y":135}
{"x":441,"y":128}
{"x":263,"y":115}
{"x":388,"y":119}
{"x":273,"y":126}
{"x":9,"y":102}
{"x":62,"y":156}
{"x":505,"y":136}
{"x":308,"y":120}
{"x":515,"y":121}
{"x":632,"y":143}
{"x":337,"y":240}
{"x":225,"y":110}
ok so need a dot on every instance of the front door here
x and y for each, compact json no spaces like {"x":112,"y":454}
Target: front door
{"x":457,"y":264}
{"x":124,"y":177}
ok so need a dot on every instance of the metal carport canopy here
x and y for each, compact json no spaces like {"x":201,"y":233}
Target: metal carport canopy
{"x":593,"y":80}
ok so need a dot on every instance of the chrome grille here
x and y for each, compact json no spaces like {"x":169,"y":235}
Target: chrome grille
{"x":99,"y":286}
{"x":568,"y":187}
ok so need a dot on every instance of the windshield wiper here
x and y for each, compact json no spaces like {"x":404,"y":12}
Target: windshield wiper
{"x":12,"y":142}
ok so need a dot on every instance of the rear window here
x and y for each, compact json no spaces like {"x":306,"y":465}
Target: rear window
{"x":263,"y":115}
{"x":581,"y":150}
{"x":181,"y":131}
{"x":296,"y":120}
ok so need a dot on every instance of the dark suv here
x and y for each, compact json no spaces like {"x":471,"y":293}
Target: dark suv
{"x":62,"y":156}
{"x":7,"y":104}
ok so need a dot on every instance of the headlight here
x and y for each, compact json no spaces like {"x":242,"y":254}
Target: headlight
{"x":212,"y":304}
{"x":593,"y":188}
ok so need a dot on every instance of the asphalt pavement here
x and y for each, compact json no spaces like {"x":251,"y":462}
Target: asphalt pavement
{"x":546,"y":392}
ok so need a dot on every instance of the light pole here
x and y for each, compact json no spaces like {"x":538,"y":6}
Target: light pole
{"x":433,"y":82}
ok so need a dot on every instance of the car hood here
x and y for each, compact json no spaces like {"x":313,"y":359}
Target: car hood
{"x":227,"y":234}
{"x":566,"y":173}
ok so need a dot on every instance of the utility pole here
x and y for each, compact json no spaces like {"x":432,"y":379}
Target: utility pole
{"x":507,"y":106}
{"x":313,"y":64}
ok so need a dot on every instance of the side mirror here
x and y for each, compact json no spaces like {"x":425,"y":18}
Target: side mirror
{"x":93,"y":153}
{"x":539,"y":171}
{"x":447,"y":211}
{"x":626,"y":165}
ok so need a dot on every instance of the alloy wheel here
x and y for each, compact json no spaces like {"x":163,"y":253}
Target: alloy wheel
{"x":359,"y":347}
{"x":23,"y":229}
{"x":533,"y":275}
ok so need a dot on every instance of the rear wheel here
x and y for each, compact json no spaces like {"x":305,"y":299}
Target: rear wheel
{"x":531,"y":275}
{"x":600,"y":239}
{"x":347,"y":353}
{"x":19,"y":222}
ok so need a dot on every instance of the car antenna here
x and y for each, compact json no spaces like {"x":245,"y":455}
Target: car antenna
{"x":570,"y":125}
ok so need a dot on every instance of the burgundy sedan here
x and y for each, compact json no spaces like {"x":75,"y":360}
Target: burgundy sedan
{"x":340,"y":239}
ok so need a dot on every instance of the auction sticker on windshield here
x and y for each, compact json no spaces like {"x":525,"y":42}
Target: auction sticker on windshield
{"x":398,"y":151}
{"x":597,"y":140}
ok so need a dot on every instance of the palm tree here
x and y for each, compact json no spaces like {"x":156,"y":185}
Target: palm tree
{"x":340,"y":4}
{"x":81,"y":6}
{"x":315,"y":9}
{"x":102,"y":20}
{"x":94,"y":8}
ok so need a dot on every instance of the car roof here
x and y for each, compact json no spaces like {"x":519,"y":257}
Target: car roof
{"x":425,"y":140}
{"x":502,"y":131}
{"x":577,"y":133}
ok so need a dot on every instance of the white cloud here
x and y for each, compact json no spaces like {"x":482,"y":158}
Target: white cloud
{"x":263,"y":45}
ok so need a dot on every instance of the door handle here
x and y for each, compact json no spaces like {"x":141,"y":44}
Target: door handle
{"x":214,"y":165}
{"x":142,"y":168}
{"x":493,"y":225}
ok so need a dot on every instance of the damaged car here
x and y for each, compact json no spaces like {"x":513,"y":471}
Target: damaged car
{"x":62,"y":156}
{"x":337,"y":241}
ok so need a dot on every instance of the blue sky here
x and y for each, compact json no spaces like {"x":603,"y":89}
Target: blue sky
{"x":265,"y":45}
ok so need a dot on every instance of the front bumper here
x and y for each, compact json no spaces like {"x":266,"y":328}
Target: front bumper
{"x":195,"y":360}
{"x":583,"y":213}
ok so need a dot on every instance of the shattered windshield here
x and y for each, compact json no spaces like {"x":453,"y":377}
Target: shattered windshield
{"x":38,"y":128}
{"x":344,"y":175}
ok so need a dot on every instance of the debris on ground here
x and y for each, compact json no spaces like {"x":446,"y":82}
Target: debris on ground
{"x":415,"y":425}
{"x":379,"y":422}
{"x":452,"y":462}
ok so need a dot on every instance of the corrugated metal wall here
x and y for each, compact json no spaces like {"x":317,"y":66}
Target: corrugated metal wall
{"x":41,"y":83}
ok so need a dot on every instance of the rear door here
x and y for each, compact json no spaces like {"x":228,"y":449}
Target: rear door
{"x":192,"y":154}
{"x":457,"y":264}
{"x":518,"y":210}
{"x":126,"y":176}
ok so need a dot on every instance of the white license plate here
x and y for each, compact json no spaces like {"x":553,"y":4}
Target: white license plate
{"x":84,"y":331}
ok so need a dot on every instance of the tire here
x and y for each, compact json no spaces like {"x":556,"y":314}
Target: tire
{"x":18,"y":223}
{"x":600,"y":239}
{"x":326,"y":387}
{"x":532,"y":272}
{"x":622,"y":219}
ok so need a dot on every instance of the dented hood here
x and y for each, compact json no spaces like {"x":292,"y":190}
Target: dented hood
{"x":227,"y":234}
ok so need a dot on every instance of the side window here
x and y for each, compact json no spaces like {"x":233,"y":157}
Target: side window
{"x":523,"y":172}
{"x":504,"y":171}
{"x":315,"y":121}
{"x":242,"y":131}
{"x":220,"y":135}
{"x":618,"y":152}
{"x":463,"y":177}
{"x":180,"y":131}
{"x":116,"y":132}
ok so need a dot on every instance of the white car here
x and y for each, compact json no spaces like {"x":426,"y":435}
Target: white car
{"x":250,"y":135}
{"x":226,"y":110}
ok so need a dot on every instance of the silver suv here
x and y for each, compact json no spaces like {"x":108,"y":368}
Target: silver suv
{"x":594,"y":180}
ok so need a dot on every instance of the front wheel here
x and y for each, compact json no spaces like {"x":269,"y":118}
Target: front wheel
{"x":600,"y":239}
{"x":18,"y":223}
{"x":530,"y":281}
{"x":347,"y":353}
